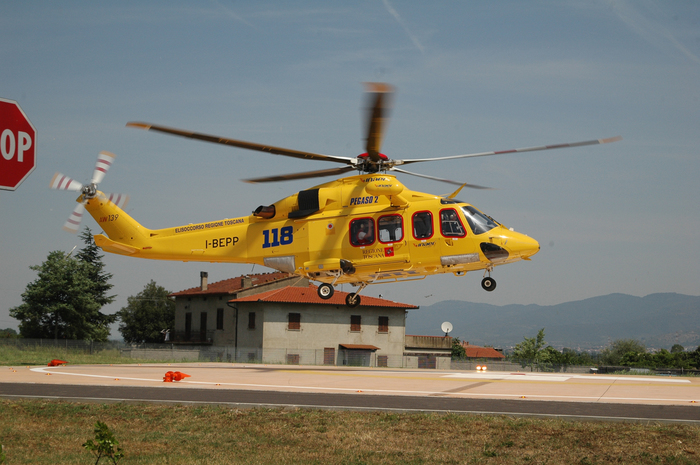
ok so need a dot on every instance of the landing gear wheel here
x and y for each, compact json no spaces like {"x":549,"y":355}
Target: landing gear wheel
{"x":325,"y":291}
{"x":352,"y":300}
{"x":489,"y":284}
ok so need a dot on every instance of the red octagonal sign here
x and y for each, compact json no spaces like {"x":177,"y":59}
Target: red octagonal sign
{"x":17,"y":145}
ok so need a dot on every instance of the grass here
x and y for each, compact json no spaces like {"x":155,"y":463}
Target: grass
{"x":38,"y":355}
{"x":47,"y":432}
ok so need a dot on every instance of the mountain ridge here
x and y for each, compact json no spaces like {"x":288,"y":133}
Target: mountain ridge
{"x":658,"y":320}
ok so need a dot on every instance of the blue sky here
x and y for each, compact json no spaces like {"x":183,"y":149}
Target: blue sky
{"x":470,"y":77}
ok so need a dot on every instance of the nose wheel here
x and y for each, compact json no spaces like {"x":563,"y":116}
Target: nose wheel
{"x":488,"y":283}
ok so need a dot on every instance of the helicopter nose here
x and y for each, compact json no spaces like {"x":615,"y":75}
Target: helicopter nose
{"x":521,"y":245}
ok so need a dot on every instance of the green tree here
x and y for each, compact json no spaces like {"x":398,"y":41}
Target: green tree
{"x":694,"y":358}
{"x":147,"y":314}
{"x":612,"y":355}
{"x":8,"y":333}
{"x":529,"y":352}
{"x":677,"y":348}
{"x":458,"y":351}
{"x":61,"y":302}
{"x":90,"y":254}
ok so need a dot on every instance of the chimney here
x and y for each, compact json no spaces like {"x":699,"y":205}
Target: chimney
{"x":203,"y":275}
{"x":246,"y":282}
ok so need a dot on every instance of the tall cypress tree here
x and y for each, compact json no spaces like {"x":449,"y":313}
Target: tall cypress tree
{"x":90,"y":254}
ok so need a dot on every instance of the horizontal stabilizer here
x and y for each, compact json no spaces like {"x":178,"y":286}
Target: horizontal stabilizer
{"x":108,"y":245}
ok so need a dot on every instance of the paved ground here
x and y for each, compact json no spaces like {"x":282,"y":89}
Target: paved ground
{"x":552,"y":394}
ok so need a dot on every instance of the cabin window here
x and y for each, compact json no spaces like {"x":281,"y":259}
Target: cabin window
{"x":390,"y":228}
{"x":362,"y":232}
{"x":450,"y":224}
{"x":423,"y":225}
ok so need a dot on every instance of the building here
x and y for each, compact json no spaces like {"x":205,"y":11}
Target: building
{"x":428,"y":352}
{"x":279,"y":318}
{"x":478,"y":352}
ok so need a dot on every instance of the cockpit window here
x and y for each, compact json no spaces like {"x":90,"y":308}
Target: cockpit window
{"x":450,"y":224}
{"x":478,"y":222}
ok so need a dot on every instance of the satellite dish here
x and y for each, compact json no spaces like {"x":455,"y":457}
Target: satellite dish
{"x":447,"y":327}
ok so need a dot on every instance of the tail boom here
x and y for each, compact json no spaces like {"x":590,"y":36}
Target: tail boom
{"x":218,"y":241}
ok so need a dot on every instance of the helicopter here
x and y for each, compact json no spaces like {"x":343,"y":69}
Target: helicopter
{"x":367,"y":228}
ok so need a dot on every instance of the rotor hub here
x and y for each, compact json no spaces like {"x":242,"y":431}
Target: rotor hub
{"x":90,"y":190}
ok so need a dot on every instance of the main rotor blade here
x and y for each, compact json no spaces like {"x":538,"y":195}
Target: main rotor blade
{"x":502,"y":152}
{"x":304,"y":175}
{"x":240,"y":143}
{"x":380,"y":104}
{"x":64,"y":183}
{"x":104,"y":161}
{"x":448,"y":181}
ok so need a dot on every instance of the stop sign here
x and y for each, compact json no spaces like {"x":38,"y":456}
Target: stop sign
{"x":17,"y":145}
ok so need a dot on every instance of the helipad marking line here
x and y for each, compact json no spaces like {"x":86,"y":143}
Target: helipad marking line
{"x":557,"y":378}
{"x":379,"y":391}
{"x":43,"y":370}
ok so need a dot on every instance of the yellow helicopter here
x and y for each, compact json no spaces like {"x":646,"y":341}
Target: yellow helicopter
{"x":362,"y":229}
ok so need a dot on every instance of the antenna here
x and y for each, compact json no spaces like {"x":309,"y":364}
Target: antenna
{"x":447,"y":327}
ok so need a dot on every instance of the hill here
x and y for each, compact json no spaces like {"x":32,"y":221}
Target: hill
{"x":658,"y":320}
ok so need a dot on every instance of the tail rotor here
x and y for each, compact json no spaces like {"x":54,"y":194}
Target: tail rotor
{"x":89,"y":191}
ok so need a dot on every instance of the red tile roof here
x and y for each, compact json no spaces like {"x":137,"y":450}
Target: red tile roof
{"x":229,"y":286}
{"x":308,"y":295}
{"x":481,"y":352}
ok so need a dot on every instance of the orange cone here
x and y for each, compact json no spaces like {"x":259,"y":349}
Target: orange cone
{"x":178,"y":376}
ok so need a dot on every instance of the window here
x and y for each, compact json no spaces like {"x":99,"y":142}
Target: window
{"x":251,"y":320}
{"x":382,"y":361}
{"x":383,"y":324}
{"x":203,"y":326}
{"x":390,"y":228}
{"x":450,"y":224}
{"x":292,"y":359}
{"x":188,"y":325}
{"x":423,"y":225}
{"x":479,"y":222}
{"x":294,"y":321}
{"x":219,"y":318}
{"x":355,"y":323}
{"x":362,"y":232}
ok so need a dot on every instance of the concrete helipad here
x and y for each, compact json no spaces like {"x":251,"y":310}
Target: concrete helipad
{"x":414,"y":386}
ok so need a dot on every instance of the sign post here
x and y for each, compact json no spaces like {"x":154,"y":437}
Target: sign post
{"x":17,"y":145}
